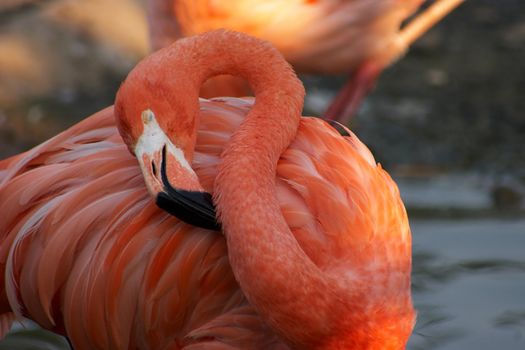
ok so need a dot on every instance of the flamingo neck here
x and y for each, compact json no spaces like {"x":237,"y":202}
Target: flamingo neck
{"x":273,"y":271}
{"x":275,"y":274}
{"x":306,"y":306}
{"x":259,"y":240}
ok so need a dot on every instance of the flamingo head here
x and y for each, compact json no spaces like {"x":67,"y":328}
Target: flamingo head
{"x":160,"y":132}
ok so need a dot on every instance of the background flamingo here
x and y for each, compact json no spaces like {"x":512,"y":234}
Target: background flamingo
{"x":361,"y":37}
{"x":87,"y":253}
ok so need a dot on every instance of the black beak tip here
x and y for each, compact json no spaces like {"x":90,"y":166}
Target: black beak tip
{"x":192,"y":207}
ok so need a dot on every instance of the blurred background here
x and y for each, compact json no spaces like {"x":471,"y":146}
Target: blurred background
{"x":447,"y":121}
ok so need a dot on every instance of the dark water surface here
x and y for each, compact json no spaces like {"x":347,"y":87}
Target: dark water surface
{"x":469,"y":284}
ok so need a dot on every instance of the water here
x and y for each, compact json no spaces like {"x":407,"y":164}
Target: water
{"x":469,"y":284}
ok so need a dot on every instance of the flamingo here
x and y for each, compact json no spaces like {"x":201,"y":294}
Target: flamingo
{"x":357,"y":37}
{"x":315,"y":250}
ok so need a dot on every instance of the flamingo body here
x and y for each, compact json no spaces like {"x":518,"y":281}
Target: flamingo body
{"x":89,"y":254}
{"x":325,"y":36}
{"x":85,"y":252}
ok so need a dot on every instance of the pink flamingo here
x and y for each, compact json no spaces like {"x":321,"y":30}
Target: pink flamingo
{"x":357,"y":37}
{"x":316,"y":252}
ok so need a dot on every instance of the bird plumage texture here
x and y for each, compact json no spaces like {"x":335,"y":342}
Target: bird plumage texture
{"x":85,"y":251}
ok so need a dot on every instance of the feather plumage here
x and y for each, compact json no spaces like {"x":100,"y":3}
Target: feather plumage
{"x":87,"y":253}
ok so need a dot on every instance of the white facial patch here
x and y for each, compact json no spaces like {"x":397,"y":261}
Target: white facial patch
{"x":153,"y":139}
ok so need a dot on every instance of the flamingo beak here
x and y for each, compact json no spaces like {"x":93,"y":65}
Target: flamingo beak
{"x":170,"y":178}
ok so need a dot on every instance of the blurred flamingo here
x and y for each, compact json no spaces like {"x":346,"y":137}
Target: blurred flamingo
{"x":316,"y":252}
{"x":361,"y":37}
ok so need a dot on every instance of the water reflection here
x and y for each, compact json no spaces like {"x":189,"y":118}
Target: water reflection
{"x":431,"y":330}
{"x":434,"y":329}
{"x":428,"y":270}
{"x":513,"y":320}
{"x":468,"y":284}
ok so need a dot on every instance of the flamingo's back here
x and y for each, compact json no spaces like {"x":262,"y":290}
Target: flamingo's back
{"x":86,"y":252}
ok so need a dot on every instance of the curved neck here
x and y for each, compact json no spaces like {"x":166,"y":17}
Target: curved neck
{"x":273,"y":271}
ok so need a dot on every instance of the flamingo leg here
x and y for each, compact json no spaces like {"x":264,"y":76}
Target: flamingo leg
{"x":164,"y":29}
{"x":426,"y":20}
{"x":349,"y":98}
{"x":347,"y":102}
